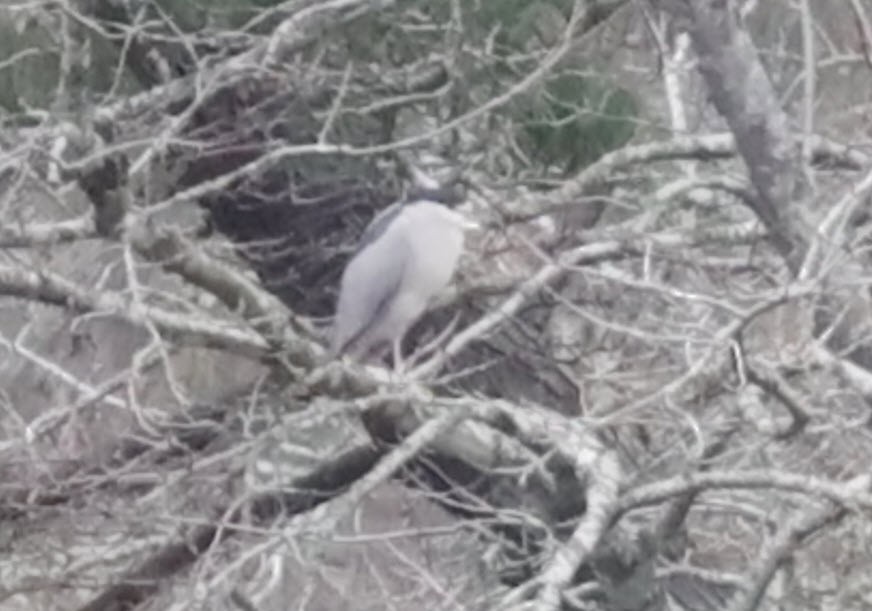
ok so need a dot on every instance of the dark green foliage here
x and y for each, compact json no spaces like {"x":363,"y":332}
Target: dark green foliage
{"x":194,"y":15}
{"x":574,"y":120}
{"x":30,"y":81}
{"x":563,"y":124}
{"x":516,"y":22}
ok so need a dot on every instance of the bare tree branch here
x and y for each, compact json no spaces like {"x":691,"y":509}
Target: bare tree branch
{"x":852,"y":494}
{"x":743,"y":94}
{"x":779,"y":549}
{"x":141,"y":583}
{"x":52,"y":289}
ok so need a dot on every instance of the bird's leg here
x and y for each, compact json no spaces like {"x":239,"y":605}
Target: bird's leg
{"x":399,"y":365}
{"x":436,"y":343}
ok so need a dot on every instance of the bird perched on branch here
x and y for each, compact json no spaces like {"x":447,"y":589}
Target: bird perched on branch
{"x":405,"y":257}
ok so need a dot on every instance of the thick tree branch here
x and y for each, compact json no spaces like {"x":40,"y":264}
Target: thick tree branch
{"x":743,"y":94}
{"x":46,"y":234}
{"x":707,"y":147}
{"x":602,"y":495}
{"x":50,"y":288}
{"x":853,"y":494}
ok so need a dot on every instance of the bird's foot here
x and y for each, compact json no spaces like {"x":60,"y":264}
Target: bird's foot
{"x":434,"y":345}
{"x":399,"y":364}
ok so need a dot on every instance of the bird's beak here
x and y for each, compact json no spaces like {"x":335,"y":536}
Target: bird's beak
{"x":467,"y":222}
{"x":464,"y":221}
{"x":470,"y":224}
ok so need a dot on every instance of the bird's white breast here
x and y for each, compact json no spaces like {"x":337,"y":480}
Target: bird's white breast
{"x":433,"y":244}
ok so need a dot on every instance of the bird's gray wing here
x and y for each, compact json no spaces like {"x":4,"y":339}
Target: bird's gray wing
{"x":381,"y":221}
{"x":448,"y":195}
{"x":378,"y":225}
{"x":369,"y":283}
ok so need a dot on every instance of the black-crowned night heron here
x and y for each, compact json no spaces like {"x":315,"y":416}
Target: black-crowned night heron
{"x":405,"y":257}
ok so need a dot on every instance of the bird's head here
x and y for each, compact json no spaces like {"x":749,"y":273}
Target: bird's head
{"x":452,"y":215}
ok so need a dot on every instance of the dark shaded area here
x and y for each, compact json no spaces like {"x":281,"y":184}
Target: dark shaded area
{"x":291,"y":240}
{"x":522,"y":515}
{"x":695,"y":592}
{"x":106,"y":186}
{"x":521,"y":518}
{"x":151,"y":62}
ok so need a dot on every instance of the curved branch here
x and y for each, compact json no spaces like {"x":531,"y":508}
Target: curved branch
{"x":785,"y":543}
